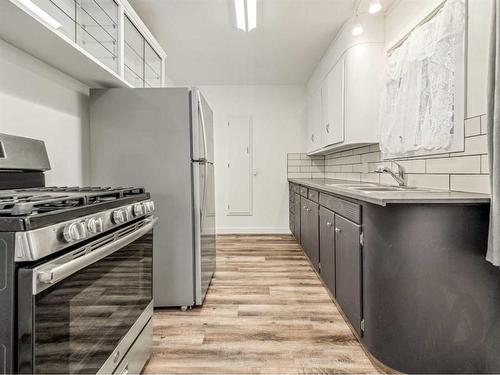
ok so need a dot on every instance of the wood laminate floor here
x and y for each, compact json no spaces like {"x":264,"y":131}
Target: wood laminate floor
{"x":266,"y":312}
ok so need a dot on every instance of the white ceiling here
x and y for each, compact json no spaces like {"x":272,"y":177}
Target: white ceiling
{"x":204,"y":47}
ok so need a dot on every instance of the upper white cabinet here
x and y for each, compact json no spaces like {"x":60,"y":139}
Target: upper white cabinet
{"x":102,"y":43}
{"x":314,"y":131}
{"x":334,"y":105}
{"x":349,"y":79}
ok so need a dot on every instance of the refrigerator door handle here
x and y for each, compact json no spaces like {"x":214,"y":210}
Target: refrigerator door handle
{"x":203,"y":130}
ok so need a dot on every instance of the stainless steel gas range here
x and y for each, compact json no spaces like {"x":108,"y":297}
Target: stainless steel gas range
{"x":75,"y":271}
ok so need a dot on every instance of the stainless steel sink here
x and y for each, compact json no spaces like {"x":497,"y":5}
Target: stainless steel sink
{"x":351,"y":186}
{"x":390,"y":188}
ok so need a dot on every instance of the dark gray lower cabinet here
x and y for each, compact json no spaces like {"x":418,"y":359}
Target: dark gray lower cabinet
{"x":327,"y":247}
{"x":309,"y":230}
{"x":348,"y":270}
{"x":296,"y":226}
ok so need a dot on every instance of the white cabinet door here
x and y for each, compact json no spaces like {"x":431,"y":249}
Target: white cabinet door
{"x":334,"y":127}
{"x":364,"y":69}
{"x":325,"y":99}
{"x":314,"y":135}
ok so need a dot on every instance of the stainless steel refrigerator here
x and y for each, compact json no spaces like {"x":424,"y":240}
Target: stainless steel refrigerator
{"x":162,"y":139}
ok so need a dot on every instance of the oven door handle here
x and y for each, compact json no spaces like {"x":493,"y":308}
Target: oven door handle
{"x":47,"y":277}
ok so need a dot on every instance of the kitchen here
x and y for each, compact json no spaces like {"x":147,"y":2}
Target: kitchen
{"x":310,"y":212}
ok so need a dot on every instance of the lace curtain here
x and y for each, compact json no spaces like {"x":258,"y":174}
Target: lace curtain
{"x":418,"y":102}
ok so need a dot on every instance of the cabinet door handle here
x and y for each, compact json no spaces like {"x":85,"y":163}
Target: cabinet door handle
{"x":338,"y":230}
{"x":328,"y":128}
{"x":328,"y":223}
{"x":312,"y":137}
{"x":305,"y":207}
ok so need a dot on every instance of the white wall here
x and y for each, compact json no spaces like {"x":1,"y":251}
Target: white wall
{"x":405,"y":14}
{"x":40,"y":102}
{"x":278,"y":122}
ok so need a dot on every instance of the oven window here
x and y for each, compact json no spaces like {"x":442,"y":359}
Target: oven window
{"x":80,"y":321}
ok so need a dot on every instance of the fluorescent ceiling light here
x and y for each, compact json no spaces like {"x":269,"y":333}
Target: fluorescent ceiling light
{"x":252,"y":14}
{"x":357,"y":29}
{"x":374,"y":7}
{"x":239,"y":6}
{"x":39,"y":12}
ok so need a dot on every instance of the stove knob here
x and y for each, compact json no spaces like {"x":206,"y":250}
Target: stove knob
{"x":138,"y":209}
{"x":149,"y":206}
{"x":74,"y":232}
{"x":70,"y":232}
{"x":82,"y":230}
{"x":94,"y":225}
{"x":118,"y":216}
{"x":99,"y":225}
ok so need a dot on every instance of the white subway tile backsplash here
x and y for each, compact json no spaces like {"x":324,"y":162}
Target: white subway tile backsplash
{"x":299,"y":175}
{"x":471,"y":183}
{"x":484,"y":125}
{"x":370,"y":177}
{"x":361,"y":168}
{"x":473,"y":126}
{"x":485,"y":164}
{"x":413,"y":166}
{"x":461,"y":171}
{"x":475,"y":145}
{"x":372,"y":156}
{"x":430,"y":181}
{"x":465,"y":164}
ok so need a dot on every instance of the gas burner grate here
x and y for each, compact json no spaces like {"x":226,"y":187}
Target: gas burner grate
{"x":34,"y":204}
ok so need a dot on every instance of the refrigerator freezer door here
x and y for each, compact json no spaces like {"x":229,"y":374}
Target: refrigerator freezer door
{"x":205,"y":238}
{"x":202,"y":128}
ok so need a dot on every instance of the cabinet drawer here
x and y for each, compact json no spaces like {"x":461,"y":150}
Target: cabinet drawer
{"x":295,"y":188}
{"x":349,"y":210}
{"x":313,"y":195}
{"x":303,"y":191}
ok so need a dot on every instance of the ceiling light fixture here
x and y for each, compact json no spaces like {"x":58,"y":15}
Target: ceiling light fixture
{"x":239,"y":6}
{"x":39,"y":12}
{"x":246,"y":14}
{"x":357,"y":28}
{"x":252,"y":14}
{"x":375,"y":6}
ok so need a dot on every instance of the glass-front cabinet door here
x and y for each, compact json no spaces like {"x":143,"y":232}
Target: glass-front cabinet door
{"x":97,"y":30}
{"x":133,"y":54}
{"x":91,"y":24}
{"x":152,"y":67}
{"x":95,"y":26}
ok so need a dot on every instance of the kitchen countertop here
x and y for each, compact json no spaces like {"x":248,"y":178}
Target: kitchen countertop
{"x":382,"y":198}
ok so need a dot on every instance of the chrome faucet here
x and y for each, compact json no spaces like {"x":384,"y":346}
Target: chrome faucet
{"x":399,"y":177}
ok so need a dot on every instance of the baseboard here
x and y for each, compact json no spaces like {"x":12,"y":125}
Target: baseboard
{"x":253,"y":230}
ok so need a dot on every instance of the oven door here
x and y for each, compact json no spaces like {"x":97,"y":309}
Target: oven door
{"x":81,"y":312}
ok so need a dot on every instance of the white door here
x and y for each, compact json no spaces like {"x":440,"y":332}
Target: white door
{"x":239,"y":165}
{"x":335,"y":106}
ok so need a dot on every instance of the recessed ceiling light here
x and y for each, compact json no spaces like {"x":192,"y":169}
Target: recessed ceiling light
{"x":246,"y":14}
{"x":239,"y":6}
{"x":40,"y":13}
{"x":375,"y":6}
{"x":252,"y":14}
